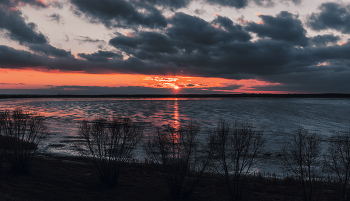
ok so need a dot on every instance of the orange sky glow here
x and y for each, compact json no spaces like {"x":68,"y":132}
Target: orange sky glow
{"x":31,"y":79}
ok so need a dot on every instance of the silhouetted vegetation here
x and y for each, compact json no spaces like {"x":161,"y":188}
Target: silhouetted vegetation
{"x":20,"y":134}
{"x":1,"y":149}
{"x":236,"y":148}
{"x":302,"y":158}
{"x":182,"y":159}
{"x":337,"y":162}
{"x":191,"y":168}
{"x":109,"y":144}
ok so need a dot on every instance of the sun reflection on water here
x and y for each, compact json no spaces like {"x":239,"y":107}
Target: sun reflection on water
{"x":176,"y":115}
{"x":176,"y":124}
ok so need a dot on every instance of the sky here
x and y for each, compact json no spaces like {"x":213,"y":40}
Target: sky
{"x":174,"y":46}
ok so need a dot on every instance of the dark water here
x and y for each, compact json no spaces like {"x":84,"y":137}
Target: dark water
{"x":276,"y":117}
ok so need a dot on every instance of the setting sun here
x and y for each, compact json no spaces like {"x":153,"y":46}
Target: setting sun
{"x":176,"y":87}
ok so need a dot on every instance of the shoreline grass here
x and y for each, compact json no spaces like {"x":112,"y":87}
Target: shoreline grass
{"x":70,"y":178}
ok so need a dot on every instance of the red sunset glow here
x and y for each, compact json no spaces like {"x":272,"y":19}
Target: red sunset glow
{"x":31,"y":79}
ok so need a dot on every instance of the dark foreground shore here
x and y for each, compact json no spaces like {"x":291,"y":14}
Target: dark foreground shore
{"x":59,"y":178}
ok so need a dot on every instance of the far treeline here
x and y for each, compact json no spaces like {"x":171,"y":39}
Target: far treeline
{"x":230,"y":151}
{"x":227,"y":95}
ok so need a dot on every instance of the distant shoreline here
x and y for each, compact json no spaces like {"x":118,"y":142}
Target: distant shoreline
{"x":325,"y":95}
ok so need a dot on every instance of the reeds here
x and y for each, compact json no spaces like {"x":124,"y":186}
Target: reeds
{"x":236,"y":148}
{"x":109,"y":144}
{"x":301,"y":158}
{"x":22,"y":133}
{"x":181,"y":158}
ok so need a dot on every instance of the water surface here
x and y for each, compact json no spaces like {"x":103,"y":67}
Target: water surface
{"x":276,"y":117}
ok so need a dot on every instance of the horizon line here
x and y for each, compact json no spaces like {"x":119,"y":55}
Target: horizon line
{"x":237,"y":95}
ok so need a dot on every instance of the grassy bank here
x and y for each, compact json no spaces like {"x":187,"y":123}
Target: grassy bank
{"x":61,"y":178}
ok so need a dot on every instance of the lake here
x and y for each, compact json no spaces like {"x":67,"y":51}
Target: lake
{"x":276,"y":117}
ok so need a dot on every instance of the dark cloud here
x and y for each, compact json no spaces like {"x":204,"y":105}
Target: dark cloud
{"x":306,"y":82}
{"x":228,"y":88}
{"x":18,"y":30}
{"x":49,"y":50}
{"x":14,"y":3}
{"x":235,"y":31}
{"x":230,"y":3}
{"x":39,"y":4}
{"x":190,"y":29}
{"x":27,"y":34}
{"x":120,"y":13}
{"x":244,"y":3}
{"x":56,"y":18}
{"x":97,"y":90}
{"x":8,"y":84}
{"x":190,"y":41}
{"x":223,"y":49}
{"x":337,"y":52}
{"x":321,"y":69}
{"x":296,"y":2}
{"x":12,"y":58}
{"x":5,"y":2}
{"x":323,"y":40}
{"x":264,"y":3}
{"x":273,"y":61}
{"x":84,"y":39}
{"x":199,"y":11}
{"x":16,"y":59}
{"x":145,"y":45}
{"x":285,"y":26}
{"x":170,"y":4}
{"x":100,"y":56}
{"x":219,"y":48}
{"x":331,"y":16}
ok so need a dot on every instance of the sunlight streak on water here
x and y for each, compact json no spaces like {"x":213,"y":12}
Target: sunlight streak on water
{"x":176,"y":115}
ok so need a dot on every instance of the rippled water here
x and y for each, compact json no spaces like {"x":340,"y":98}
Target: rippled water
{"x":276,"y":117}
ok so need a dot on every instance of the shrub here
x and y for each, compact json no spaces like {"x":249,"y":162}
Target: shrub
{"x":289,"y":181}
{"x":301,"y":159}
{"x":236,"y":149}
{"x":337,"y":162}
{"x":21,"y":134}
{"x":1,"y":150}
{"x":109,"y":145}
{"x":181,"y":157}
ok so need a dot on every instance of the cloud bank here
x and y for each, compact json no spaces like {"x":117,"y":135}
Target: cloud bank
{"x":276,"y":49}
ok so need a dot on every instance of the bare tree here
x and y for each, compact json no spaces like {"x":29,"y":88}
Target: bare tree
{"x":337,"y":161}
{"x":181,"y":157}
{"x":109,"y":145}
{"x":22,"y":133}
{"x":302,"y":159}
{"x":236,"y":150}
{"x":3,"y":118}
